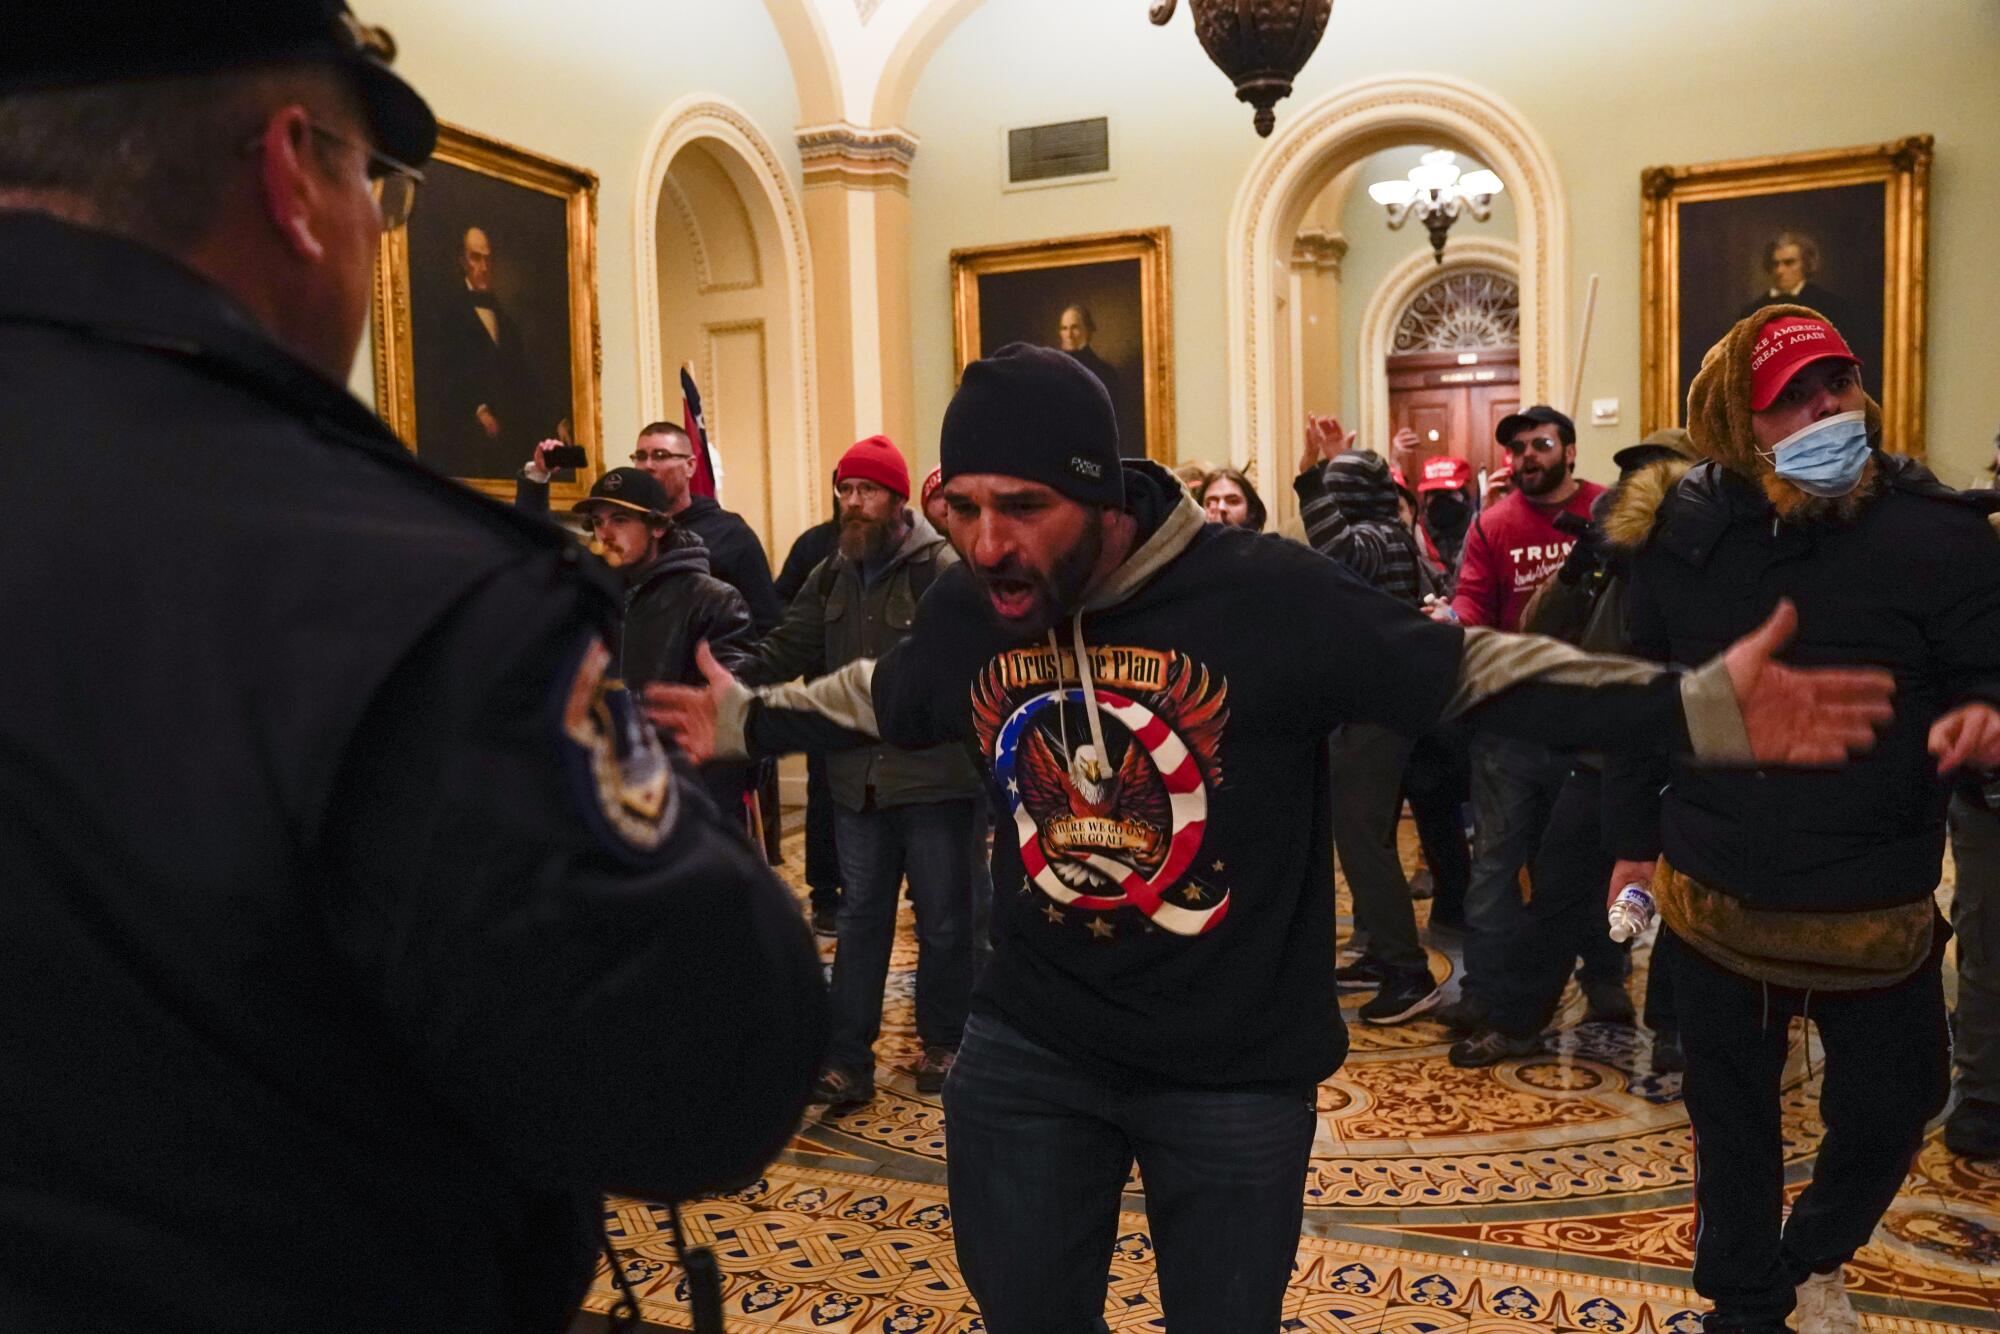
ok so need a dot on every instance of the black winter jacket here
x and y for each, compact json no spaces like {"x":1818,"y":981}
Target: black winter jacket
{"x":672,"y":604}
{"x":736,"y":557}
{"x":1912,"y":584}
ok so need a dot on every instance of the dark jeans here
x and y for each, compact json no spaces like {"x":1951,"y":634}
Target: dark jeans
{"x":1563,"y":919}
{"x":931,"y":843}
{"x":1437,"y":782}
{"x":1040,"y":1149}
{"x":1975,"y":924}
{"x":822,"y":848}
{"x":1888,"y":1063}
{"x":1514,"y":786}
{"x":1367,"y":800}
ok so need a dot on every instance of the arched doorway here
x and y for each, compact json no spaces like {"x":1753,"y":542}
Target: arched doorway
{"x":724,"y":286}
{"x":1467,"y":306}
{"x":1294,"y":168}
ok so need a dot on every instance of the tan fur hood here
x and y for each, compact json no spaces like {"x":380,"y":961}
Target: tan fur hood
{"x":1718,"y":420}
{"x":1636,"y":500}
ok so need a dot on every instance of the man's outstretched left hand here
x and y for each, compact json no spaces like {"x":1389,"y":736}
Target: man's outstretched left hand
{"x":1802,"y":717}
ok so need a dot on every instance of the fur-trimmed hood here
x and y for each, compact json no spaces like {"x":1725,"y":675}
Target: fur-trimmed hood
{"x":1634,"y":503}
{"x":1718,"y":419}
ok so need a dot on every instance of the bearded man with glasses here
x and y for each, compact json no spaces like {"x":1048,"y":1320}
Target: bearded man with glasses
{"x":1514,"y":547}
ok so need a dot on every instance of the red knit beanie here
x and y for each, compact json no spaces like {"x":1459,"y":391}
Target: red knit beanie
{"x":876,"y":460}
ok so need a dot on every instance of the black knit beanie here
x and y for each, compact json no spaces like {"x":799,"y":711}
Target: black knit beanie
{"x":1038,"y":414}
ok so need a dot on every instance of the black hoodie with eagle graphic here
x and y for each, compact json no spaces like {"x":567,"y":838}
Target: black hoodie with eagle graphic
{"x":1163,"y":877}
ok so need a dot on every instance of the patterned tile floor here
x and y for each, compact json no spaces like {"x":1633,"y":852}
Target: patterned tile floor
{"x":1549,"y":1193}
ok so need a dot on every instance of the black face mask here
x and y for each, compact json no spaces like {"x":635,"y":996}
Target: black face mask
{"x":1447,"y":513}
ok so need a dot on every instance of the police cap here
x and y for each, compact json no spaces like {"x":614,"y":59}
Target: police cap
{"x":83,"y":42}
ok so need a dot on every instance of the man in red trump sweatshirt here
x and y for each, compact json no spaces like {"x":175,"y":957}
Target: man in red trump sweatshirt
{"x":1513,"y":547}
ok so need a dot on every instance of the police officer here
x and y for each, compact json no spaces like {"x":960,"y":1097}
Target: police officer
{"x":354,"y":936}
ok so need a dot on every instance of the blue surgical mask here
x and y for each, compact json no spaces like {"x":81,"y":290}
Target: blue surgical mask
{"x":1825,"y":458}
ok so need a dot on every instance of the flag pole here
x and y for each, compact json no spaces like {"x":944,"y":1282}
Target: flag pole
{"x":1583,"y":347}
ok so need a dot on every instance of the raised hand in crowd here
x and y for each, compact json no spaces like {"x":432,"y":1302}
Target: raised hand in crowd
{"x":1325,"y":438}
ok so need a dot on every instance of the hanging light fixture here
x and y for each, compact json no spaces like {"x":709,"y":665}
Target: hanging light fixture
{"x":1260,"y":44}
{"x":1437,"y":194}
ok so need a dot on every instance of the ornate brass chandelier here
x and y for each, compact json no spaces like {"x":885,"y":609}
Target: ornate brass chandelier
{"x":1260,"y":44}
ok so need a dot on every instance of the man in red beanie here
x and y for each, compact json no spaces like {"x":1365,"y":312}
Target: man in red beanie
{"x":897,"y":812}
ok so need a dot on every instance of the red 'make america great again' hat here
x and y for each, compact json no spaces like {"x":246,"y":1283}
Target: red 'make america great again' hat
{"x":1444,"y":472}
{"x":1786,"y":346}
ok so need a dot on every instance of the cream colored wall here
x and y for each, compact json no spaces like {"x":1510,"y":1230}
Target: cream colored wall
{"x":1611,"y":88}
{"x":587,"y":83}
{"x":1373,"y":250}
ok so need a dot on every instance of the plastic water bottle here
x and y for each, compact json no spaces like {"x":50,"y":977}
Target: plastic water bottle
{"x":1631,"y":912}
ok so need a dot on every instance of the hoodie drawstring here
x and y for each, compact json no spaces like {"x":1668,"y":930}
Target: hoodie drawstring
{"x":1089,"y":685}
{"x":1089,"y":691}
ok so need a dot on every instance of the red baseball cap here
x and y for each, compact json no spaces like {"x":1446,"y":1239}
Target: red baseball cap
{"x":932,"y":481}
{"x":1444,"y":472}
{"x":1786,"y":346}
{"x":875,"y":460}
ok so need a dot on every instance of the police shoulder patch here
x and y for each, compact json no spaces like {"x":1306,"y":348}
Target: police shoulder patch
{"x":623,"y":781}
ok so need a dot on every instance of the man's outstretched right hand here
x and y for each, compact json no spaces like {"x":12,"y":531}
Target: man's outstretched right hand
{"x":688,"y":713}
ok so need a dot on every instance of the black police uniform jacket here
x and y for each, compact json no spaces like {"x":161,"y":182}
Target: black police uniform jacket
{"x":348,"y":947}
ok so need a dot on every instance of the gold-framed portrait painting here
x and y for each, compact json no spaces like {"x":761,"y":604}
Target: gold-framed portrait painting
{"x":1843,"y":231}
{"x":1106,"y":299}
{"x":485,"y":319}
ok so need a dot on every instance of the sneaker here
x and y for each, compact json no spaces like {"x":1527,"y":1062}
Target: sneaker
{"x":1464,"y":1015}
{"x":1973,"y":1129}
{"x":1402,"y":997}
{"x":932,"y":1067}
{"x":840,"y":1089}
{"x":1668,"y":1058}
{"x":1489,"y":1046}
{"x":1364,"y":974}
{"x":826,"y":919}
{"x":1422,"y":885}
{"x":1607,"y":1003}
{"x":1823,"y":1307}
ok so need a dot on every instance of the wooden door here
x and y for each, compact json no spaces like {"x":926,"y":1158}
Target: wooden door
{"x":1491,"y":402}
{"x":1453,"y":400}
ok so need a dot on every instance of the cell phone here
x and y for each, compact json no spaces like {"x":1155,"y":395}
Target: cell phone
{"x":1575,"y":525}
{"x":566,"y":456}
